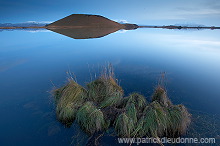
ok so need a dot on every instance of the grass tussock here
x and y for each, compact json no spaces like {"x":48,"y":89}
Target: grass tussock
{"x":160,"y":96}
{"x":124,"y":125}
{"x":132,"y":113}
{"x":102,"y":105}
{"x":153,"y":121}
{"x":179,"y":120}
{"x":103,"y":88}
{"x":90,"y":118}
{"x":68,"y":99}
{"x":138,"y":100}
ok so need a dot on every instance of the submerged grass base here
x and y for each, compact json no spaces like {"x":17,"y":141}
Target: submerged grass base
{"x":102,"y":106}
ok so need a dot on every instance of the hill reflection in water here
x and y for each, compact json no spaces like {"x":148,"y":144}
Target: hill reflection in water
{"x":86,"y":33}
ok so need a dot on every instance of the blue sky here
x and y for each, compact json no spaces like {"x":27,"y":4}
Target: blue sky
{"x":157,"y":12}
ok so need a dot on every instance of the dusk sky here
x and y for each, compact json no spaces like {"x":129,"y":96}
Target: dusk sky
{"x":157,"y":12}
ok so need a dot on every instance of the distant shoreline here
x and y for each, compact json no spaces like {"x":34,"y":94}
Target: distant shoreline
{"x":35,"y":27}
{"x":180,"y":27}
{"x":69,"y":27}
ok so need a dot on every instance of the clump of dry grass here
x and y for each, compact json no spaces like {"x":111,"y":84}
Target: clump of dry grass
{"x":90,"y":118}
{"x":138,"y":100}
{"x":102,"y":88}
{"x":160,"y":96}
{"x":131,"y":111}
{"x":124,"y":125}
{"x":68,"y":99}
{"x":153,"y":121}
{"x":105,"y":86}
{"x":179,"y":120}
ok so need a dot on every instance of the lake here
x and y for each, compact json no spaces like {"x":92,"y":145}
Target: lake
{"x":33,"y":62}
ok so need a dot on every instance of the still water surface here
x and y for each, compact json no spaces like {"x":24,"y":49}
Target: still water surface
{"x":31,"y":63}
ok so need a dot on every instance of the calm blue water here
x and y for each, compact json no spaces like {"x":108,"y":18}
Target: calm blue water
{"x":31,"y":62}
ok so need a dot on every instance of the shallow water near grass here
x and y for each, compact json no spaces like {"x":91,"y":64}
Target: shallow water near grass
{"x":31,"y":63}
